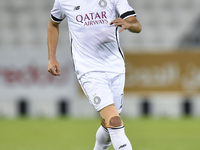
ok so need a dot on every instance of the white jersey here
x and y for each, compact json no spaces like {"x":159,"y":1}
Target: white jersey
{"x":94,"y":42}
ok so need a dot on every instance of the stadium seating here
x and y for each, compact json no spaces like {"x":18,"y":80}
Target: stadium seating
{"x":164,"y":22}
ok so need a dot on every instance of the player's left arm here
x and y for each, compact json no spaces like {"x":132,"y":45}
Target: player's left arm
{"x":131,"y":23}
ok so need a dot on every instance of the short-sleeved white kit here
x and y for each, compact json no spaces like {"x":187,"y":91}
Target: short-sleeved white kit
{"x":95,"y":46}
{"x":94,"y":42}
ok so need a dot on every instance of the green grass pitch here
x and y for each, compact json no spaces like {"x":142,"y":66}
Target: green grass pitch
{"x":79,"y":134}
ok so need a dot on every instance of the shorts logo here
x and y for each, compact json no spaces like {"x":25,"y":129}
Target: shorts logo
{"x":97,"y":100}
{"x":102,"y":3}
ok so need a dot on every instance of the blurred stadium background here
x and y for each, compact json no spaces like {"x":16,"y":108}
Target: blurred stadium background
{"x":163,"y":65}
{"x":162,"y":80}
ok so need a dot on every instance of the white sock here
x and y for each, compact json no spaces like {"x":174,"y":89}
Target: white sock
{"x":119,"y":139}
{"x":102,"y":139}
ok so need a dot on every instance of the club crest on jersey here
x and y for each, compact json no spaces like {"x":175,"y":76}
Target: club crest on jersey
{"x":97,"y":100}
{"x":102,"y":3}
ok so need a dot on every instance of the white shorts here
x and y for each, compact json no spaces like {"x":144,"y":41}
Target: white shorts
{"x":103,"y":89}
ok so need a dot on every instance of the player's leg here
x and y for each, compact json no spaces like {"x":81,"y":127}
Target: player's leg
{"x":97,"y":87}
{"x":103,"y":141}
{"x":92,"y":84}
{"x":110,"y":117}
{"x":115,"y":127}
{"x":114,"y":121}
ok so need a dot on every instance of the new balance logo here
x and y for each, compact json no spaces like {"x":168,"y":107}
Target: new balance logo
{"x":122,"y":146}
{"x":77,"y":7}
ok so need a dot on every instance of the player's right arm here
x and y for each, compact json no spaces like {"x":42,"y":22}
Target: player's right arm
{"x":52,"y":41}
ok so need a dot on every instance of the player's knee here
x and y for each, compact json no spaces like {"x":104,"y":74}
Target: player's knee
{"x":115,"y":121}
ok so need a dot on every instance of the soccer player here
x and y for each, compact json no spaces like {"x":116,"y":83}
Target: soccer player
{"x":94,"y":27}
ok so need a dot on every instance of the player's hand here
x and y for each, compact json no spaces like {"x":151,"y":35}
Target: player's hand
{"x":54,"y":68}
{"x":119,"y":22}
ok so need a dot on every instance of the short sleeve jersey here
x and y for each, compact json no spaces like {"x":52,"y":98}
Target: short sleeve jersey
{"x":94,"y":42}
